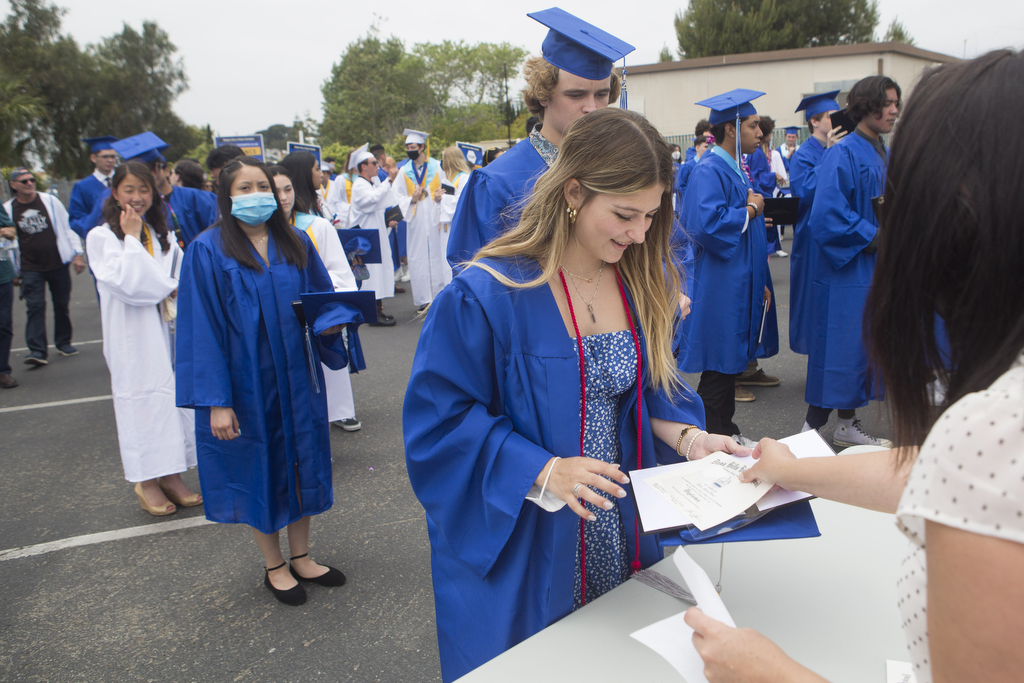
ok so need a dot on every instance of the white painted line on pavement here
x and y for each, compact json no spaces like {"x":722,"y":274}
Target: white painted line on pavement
{"x":51,"y":346}
{"x":53,"y":404}
{"x":102,"y":537}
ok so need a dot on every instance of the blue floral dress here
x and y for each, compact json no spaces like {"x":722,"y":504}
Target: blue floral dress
{"x":610,"y":372}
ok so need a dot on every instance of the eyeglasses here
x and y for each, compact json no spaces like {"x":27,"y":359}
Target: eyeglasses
{"x":107,"y":157}
{"x":26,"y":180}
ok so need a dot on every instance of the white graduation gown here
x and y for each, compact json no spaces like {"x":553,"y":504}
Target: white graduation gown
{"x":423,"y":245}
{"x":337,"y":201}
{"x":448,"y":204}
{"x":155,"y":437}
{"x":340,"y":402}
{"x":369,"y":201}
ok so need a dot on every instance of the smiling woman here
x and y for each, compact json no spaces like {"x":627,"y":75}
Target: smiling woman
{"x":543,"y":374}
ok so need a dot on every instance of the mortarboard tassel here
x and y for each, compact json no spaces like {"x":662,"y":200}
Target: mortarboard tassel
{"x":622,"y":94}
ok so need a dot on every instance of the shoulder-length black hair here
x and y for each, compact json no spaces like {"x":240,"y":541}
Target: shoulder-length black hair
{"x":300,"y":168}
{"x":154,"y":216}
{"x":299,"y":205}
{"x":233,"y":239}
{"x":951,"y":241}
{"x":868,"y":96}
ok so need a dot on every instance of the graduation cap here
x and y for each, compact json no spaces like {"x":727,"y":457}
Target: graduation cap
{"x":414,"y":137}
{"x":791,"y":521}
{"x":144,"y":147}
{"x":580,"y":48}
{"x":362,"y":243}
{"x":819,"y":104}
{"x":792,"y":130}
{"x":734,"y":104}
{"x":359,"y":156}
{"x":323,"y":310}
{"x":101,"y":143}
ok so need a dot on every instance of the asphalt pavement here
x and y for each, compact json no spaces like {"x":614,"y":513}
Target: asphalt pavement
{"x":95,"y":589}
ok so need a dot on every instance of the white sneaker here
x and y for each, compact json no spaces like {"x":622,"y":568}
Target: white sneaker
{"x":807,"y":428}
{"x":852,"y":434}
{"x":744,"y":441}
{"x":405,"y":273}
{"x":782,"y":254}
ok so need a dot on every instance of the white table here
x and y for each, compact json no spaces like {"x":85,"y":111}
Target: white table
{"x":829,"y":602}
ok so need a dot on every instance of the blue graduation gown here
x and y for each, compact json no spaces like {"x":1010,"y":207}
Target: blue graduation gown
{"x":729,"y":275}
{"x":495,"y":393}
{"x":85,"y":205}
{"x":849,"y":175}
{"x":196,"y":210}
{"x":691,"y":153}
{"x":761,"y":173}
{"x":786,"y":161}
{"x":682,"y":178}
{"x":501,"y":185}
{"x":239,"y":344}
{"x":803,"y":180}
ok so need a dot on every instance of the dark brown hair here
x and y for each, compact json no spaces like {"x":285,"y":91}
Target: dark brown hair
{"x":299,"y":206}
{"x":233,"y":240}
{"x":947,"y":299}
{"x":190,"y":173}
{"x":868,"y":96}
{"x":300,"y":169}
{"x":154,"y":217}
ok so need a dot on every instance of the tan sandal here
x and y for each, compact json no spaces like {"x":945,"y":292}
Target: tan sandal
{"x":187,"y":502}
{"x":170,"y":508}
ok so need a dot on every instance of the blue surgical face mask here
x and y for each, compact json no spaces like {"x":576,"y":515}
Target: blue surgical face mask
{"x":253,"y":208}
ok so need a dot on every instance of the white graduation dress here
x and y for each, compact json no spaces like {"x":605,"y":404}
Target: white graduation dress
{"x":156,"y":438}
{"x":369,"y":202}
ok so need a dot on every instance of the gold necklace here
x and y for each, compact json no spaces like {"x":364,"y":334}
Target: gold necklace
{"x":261,"y":240}
{"x":590,"y":305}
{"x":582,"y":277}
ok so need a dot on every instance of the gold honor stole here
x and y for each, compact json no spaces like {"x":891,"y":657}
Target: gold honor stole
{"x":308,"y":221}
{"x":430,"y":186}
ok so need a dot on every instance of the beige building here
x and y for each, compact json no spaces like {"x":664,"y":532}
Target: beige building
{"x":665,"y":93}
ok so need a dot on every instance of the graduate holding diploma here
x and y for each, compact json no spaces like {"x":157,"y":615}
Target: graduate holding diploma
{"x":950,"y":247}
{"x":264,"y":449}
{"x":543,"y":375}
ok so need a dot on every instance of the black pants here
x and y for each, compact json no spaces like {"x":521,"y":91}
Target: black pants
{"x":6,"y":329}
{"x":33,"y":289}
{"x":718,"y":391}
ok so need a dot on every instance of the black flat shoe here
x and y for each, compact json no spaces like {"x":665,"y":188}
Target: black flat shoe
{"x":332,"y":578}
{"x":294,"y":596}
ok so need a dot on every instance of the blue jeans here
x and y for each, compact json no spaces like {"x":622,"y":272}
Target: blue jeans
{"x":6,"y":328}
{"x":33,"y":290}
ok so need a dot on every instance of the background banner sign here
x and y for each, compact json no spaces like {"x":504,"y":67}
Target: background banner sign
{"x":300,"y":147}
{"x":252,"y":145}
{"x":474,"y":154}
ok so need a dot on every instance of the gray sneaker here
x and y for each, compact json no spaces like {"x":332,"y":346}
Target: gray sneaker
{"x":854,"y":435}
{"x":349,"y":424}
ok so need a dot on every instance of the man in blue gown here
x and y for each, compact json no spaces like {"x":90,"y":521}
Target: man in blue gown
{"x":788,"y":148}
{"x":803,"y":181}
{"x":580,"y":57}
{"x":731,"y":281}
{"x":850,"y":178}
{"x":89,"y":193}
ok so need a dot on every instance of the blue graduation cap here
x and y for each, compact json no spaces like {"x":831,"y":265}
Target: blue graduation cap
{"x":101,"y":143}
{"x":474,"y":153}
{"x":789,"y":521}
{"x":732,"y":105}
{"x":819,"y":104}
{"x":144,"y":147}
{"x":792,"y":130}
{"x":362,"y":243}
{"x":323,"y":310}
{"x":578,"y":47}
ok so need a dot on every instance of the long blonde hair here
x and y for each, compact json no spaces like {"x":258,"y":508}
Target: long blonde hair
{"x":453,"y":162}
{"x":608,"y":151}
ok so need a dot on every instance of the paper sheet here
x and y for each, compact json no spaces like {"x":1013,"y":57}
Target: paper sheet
{"x":658,"y":514}
{"x":672,"y":638}
{"x":899,"y":672}
{"x":709,"y":491}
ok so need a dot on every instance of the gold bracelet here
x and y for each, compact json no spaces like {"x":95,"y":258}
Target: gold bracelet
{"x":682,"y":434}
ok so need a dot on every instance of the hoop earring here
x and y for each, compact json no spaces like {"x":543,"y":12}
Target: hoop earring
{"x":573,"y":212}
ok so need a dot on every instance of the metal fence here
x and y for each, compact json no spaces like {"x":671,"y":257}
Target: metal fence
{"x":60,"y":187}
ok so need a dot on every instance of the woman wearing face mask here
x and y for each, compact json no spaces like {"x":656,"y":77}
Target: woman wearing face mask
{"x":261,"y":428}
{"x":341,"y":410}
{"x":136,"y":270}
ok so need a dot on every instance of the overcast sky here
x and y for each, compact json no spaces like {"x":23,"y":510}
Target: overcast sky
{"x":254,"y":64}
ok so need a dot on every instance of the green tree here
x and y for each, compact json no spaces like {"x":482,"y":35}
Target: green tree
{"x":897,"y":33}
{"x":19,"y":106}
{"x":721,"y":27}
{"x":665,"y":55}
{"x":374,"y":92}
{"x":278,"y":135}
